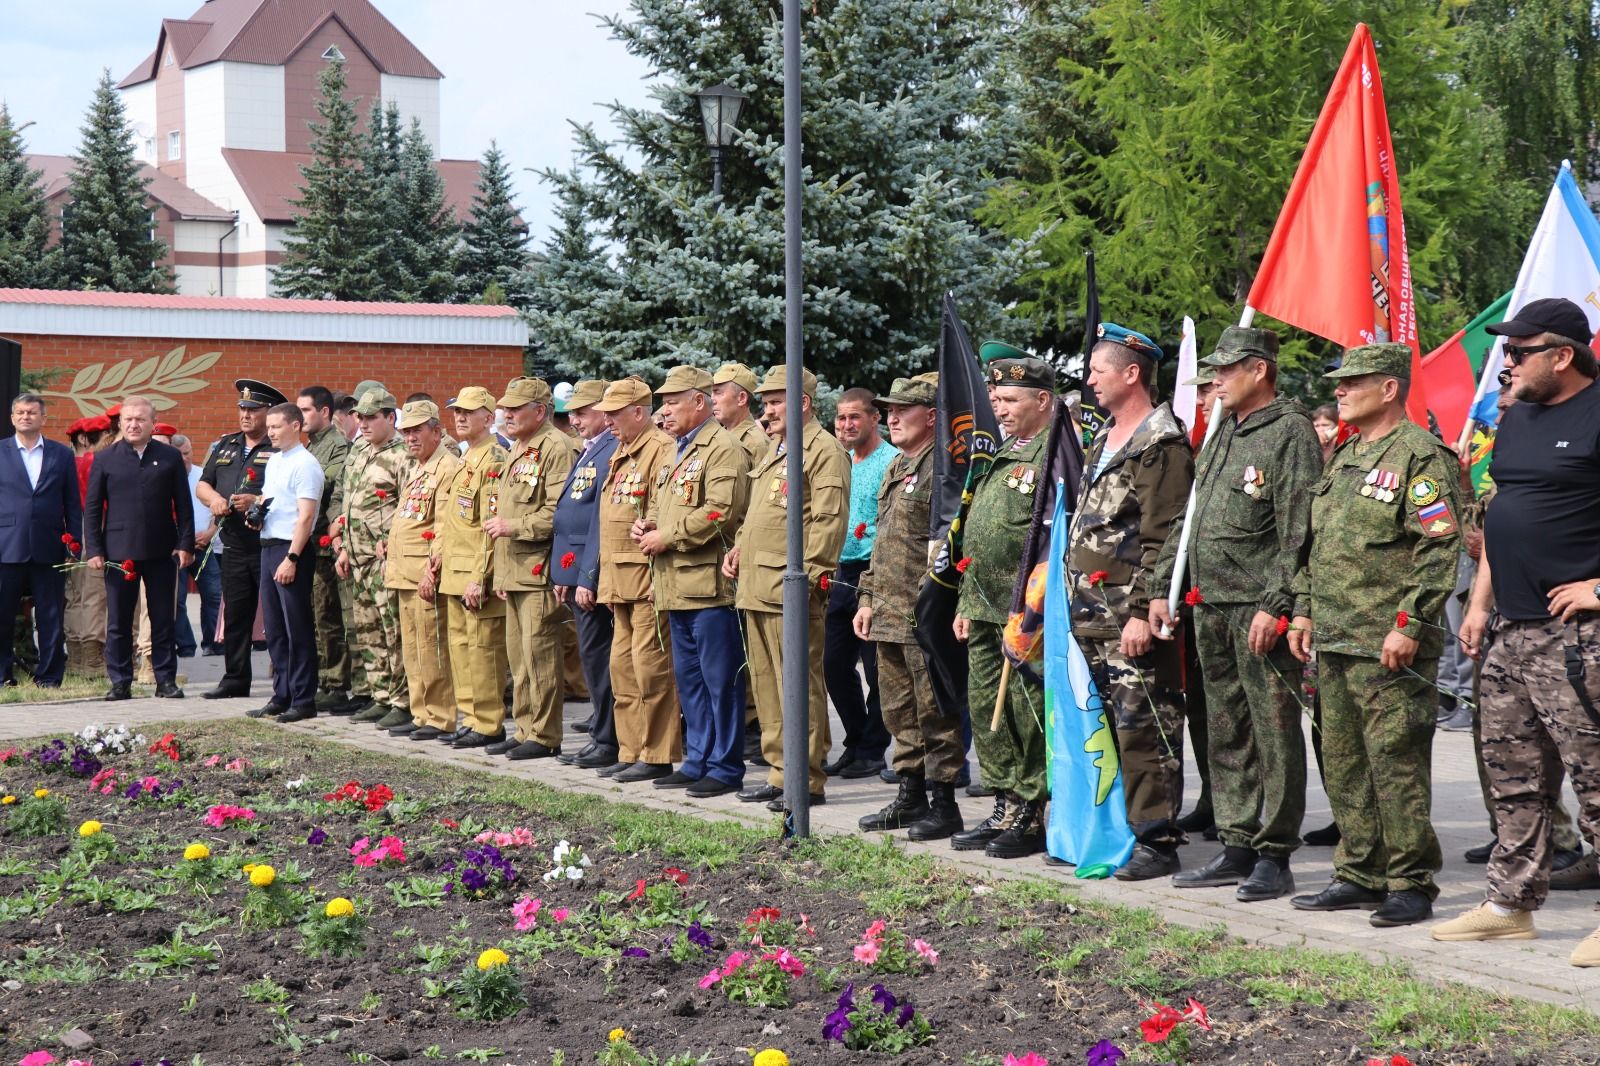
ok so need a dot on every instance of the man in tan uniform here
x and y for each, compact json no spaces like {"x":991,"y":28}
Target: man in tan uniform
{"x":687,"y":531}
{"x":649,"y":740}
{"x":476,"y":616}
{"x":541,"y":457}
{"x":733,"y":389}
{"x":757,"y":563}
{"x":412,"y":571}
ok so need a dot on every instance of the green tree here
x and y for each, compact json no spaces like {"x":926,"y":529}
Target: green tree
{"x":336,"y":247}
{"x":426,"y":236}
{"x":108,"y":240}
{"x":25,"y":260}
{"x":495,"y":239}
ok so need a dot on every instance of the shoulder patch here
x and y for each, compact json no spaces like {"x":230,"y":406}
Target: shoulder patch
{"x":1422,"y":491}
{"x":1436,"y":520}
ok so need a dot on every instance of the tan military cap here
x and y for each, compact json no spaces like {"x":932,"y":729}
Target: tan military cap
{"x":737,"y":373}
{"x":922,"y":389}
{"x":521,"y":391}
{"x":473,"y":398}
{"x":777,"y":380}
{"x":586,"y":394}
{"x":684,"y":378}
{"x":624,"y":393}
{"x":375,"y":401}
{"x":417,"y":413}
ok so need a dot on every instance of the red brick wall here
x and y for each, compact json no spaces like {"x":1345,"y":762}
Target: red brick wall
{"x":202,"y":403}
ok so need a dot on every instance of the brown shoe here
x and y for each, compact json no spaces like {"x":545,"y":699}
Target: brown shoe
{"x":1483,"y":923}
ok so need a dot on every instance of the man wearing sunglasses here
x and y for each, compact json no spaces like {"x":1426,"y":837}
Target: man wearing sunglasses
{"x":1540,"y":573}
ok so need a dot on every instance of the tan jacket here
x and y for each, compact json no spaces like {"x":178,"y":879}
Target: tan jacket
{"x":709,"y":478}
{"x":423,"y":500}
{"x":762,"y":539}
{"x":467,"y":553}
{"x":529,"y":488}
{"x":637,"y":471}
{"x":753,"y":439}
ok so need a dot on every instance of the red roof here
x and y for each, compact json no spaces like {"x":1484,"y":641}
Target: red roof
{"x":271,"y":31}
{"x":271,"y":179}
{"x":163,"y":188}
{"x":79,"y":298}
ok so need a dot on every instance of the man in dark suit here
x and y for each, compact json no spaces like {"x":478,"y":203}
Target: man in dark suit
{"x":139,"y":512}
{"x":39,"y":510}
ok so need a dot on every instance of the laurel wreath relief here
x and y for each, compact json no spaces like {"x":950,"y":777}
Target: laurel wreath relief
{"x":161,"y":377}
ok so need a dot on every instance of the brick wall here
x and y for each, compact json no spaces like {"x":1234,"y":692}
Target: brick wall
{"x":196,"y":391}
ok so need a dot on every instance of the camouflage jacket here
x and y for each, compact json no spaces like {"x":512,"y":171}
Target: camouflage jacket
{"x":1252,"y":516}
{"x":900,"y":551}
{"x":331,"y":449}
{"x":1384,"y":539}
{"x":1125,"y":516}
{"x":373,"y":479}
{"x":995,"y":527}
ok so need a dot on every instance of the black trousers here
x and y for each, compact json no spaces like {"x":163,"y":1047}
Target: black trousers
{"x":241,"y":592}
{"x":861,"y":715}
{"x":291,"y":629}
{"x":160,"y":580}
{"x":946,"y":656}
{"x":594,"y":649}
{"x":48,"y":587}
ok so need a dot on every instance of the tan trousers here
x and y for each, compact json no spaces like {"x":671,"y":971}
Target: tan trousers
{"x":649,"y":726}
{"x":766,"y":678}
{"x":572,"y":678}
{"x":533,"y":642}
{"x":85,"y":617}
{"x":425,"y":650}
{"x":478,"y":663}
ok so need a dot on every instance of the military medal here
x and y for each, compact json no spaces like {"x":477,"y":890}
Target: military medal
{"x":1026,"y":485}
{"x":1369,"y":488}
{"x":1253,"y":480}
{"x":910,"y":484}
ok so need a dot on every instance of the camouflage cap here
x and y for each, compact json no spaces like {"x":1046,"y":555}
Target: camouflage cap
{"x":1391,"y":360}
{"x":624,"y":393}
{"x":1242,"y":342}
{"x":586,"y":394}
{"x":375,"y":401}
{"x":777,"y":380}
{"x":737,"y":373}
{"x":1025,"y":373}
{"x":685,"y":379}
{"x":417,"y":413}
{"x":473,"y":398}
{"x":922,"y":390}
{"x":992,"y":350}
{"x":1206,"y":376}
{"x":523,"y":391}
{"x":364,"y":387}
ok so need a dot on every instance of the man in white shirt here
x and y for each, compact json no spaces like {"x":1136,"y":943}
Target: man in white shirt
{"x":291,"y":492}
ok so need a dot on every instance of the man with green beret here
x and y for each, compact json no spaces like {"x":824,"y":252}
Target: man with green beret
{"x":1369,"y":601}
{"x":1251,"y":521}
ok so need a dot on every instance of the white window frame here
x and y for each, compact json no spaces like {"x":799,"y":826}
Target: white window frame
{"x":174,"y":145}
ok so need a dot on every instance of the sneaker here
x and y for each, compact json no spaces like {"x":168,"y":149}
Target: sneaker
{"x":1587,"y":953}
{"x":1460,"y":720}
{"x":1482,"y":923}
{"x":1580,"y":871}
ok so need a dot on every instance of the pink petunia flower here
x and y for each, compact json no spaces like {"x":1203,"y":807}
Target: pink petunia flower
{"x":868,"y":951}
{"x":734,"y":961}
{"x":925,"y":949}
{"x":37,"y":1058}
{"x":359,"y":846}
{"x":526,"y":913}
{"x":710,"y":979}
{"x":1032,"y":1058}
{"x":559,"y":914}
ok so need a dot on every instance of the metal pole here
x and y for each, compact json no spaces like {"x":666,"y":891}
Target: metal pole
{"x":716,"y":169}
{"x":797,"y":709}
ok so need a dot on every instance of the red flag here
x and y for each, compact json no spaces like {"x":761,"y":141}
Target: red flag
{"x":1337,"y":264}
{"x":1449,"y":382}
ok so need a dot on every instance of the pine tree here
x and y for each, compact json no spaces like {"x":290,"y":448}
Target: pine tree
{"x":108,"y":240}
{"x":335,"y":248}
{"x":427,"y":235}
{"x":496,"y":241}
{"x":25,"y":261}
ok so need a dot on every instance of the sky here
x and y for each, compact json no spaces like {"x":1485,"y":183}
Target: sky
{"x":516,"y":71}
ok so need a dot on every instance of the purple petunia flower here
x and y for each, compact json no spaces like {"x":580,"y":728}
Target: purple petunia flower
{"x":474,"y":880}
{"x":884,"y":998}
{"x":317,"y":837}
{"x":132,"y":790}
{"x":635,"y":953}
{"x":84,"y":764}
{"x":699,"y":936}
{"x":1105,"y":1053}
{"x":835,"y":1025}
{"x":907,"y":1012}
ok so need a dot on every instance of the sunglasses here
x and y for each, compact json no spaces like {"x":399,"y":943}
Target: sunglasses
{"x":1516,"y":353}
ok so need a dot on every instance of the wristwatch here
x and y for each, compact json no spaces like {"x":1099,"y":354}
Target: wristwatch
{"x":293,"y":557}
{"x":1597,"y":591}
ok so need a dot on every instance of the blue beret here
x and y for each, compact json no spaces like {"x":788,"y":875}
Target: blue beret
{"x":1131,"y":339}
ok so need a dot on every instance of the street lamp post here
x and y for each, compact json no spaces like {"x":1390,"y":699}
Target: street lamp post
{"x":719,"y":113}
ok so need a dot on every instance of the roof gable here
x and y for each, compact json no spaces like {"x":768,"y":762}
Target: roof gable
{"x":164,"y":189}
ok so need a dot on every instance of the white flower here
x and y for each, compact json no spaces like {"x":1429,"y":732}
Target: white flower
{"x":560,"y":852}
{"x":553,"y":874}
{"x":584,"y":861}
{"x":297,"y":783}
{"x":574,"y":873}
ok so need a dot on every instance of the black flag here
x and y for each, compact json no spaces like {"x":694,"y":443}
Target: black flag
{"x":965,"y":442}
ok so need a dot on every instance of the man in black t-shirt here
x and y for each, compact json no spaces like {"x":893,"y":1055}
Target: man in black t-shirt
{"x":1540,"y":570}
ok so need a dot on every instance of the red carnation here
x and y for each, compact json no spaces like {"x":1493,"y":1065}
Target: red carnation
{"x":1098,"y":578}
{"x":1402,"y":620}
{"x":538,"y":568}
{"x":381,"y":494}
{"x":324,"y":541}
{"x":250,"y":475}
{"x":127,"y":564}
{"x":428,"y":534}
{"x":568,"y":559}
{"x":714,"y":516}
{"x":66,"y":538}
{"x":675,"y":875}
{"x":1193,"y":597}
{"x":961,"y":565}
{"x":861,"y":530}
{"x":824,"y":582}
{"x":129,"y":575}
{"x":1283,"y":625}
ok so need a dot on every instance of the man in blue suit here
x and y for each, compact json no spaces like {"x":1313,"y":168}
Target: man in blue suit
{"x":139,"y":510}
{"x":39,"y":512}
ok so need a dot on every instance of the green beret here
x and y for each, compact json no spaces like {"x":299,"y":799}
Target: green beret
{"x":992,"y":350}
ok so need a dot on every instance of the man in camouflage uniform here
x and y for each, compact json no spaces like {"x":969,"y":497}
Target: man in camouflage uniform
{"x":1370,"y":598}
{"x":373,"y":476}
{"x":360,"y":688}
{"x":1251,"y":522}
{"x":1012,"y":757}
{"x":527,"y":493}
{"x":330,"y":447}
{"x":1136,"y":477}
{"x":929,"y":750}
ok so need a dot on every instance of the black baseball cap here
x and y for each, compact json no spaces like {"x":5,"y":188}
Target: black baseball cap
{"x":1555,"y":315}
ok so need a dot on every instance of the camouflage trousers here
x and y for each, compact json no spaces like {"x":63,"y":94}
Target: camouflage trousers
{"x":333,"y":657}
{"x":1257,"y":750}
{"x":375,"y":637}
{"x":1377,"y":754}
{"x":927,"y":742}
{"x":1011,"y":758}
{"x":1534,"y":722}
{"x":1147,"y":706}
{"x":1563,"y":832}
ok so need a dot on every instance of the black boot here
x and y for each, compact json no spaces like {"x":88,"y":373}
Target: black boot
{"x":943,"y":817}
{"x":909,"y":805}
{"x":1025,"y":835}
{"x":977,"y":838}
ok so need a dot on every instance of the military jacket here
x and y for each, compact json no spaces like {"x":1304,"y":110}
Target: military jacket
{"x":1384,"y":539}
{"x":709,"y":477}
{"x":900,"y":551}
{"x":1252,"y":515}
{"x":229,"y":470}
{"x":1124,"y":518}
{"x":753,"y":439}
{"x":575,"y":542}
{"x":414,"y":536}
{"x":763,"y":539}
{"x":331,"y":450}
{"x":468,"y":556}
{"x":995,"y":528}
{"x":373,"y":478}
{"x":527,"y":491}
{"x":638,"y":469}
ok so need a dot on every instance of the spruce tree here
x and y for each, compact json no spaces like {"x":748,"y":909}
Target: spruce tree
{"x":25,"y":261}
{"x":496,"y":241}
{"x":335,"y":248}
{"x":426,"y":236}
{"x":107,"y":240}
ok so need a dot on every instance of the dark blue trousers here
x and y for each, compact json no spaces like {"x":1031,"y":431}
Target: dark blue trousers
{"x":159,"y":577}
{"x":48,"y":586}
{"x":707,"y":660}
{"x":291,"y":629}
{"x":865,"y":735}
{"x":594,"y":650}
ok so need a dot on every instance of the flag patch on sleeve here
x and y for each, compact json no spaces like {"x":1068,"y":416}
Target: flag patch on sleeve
{"x":1436,"y":519}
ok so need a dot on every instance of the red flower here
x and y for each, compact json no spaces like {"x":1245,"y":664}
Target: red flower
{"x":637,"y":493}
{"x":1193,"y":597}
{"x":1283,"y":625}
{"x":449,"y":824}
{"x":824,"y":582}
{"x":675,"y":875}
{"x":962,"y":564}
{"x":342,"y":519}
{"x":324,"y":541}
{"x":249,"y":475}
{"x":129,"y":575}
{"x":428,"y":534}
{"x":1197,"y":1014}
{"x":1402,"y":620}
{"x":713,"y":516}
{"x":381,"y":494}
{"x":761,"y":914}
{"x":1159,"y":1025}
{"x":861,"y":530}
{"x":66,"y":538}
{"x":638,"y":890}
{"x":568,"y":559}
{"x":538,"y":568}
{"x":1098,"y":578}
{"x":127,"y":564}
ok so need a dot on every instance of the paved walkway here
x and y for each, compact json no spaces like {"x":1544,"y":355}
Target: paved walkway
{"x":1537,"y":969}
